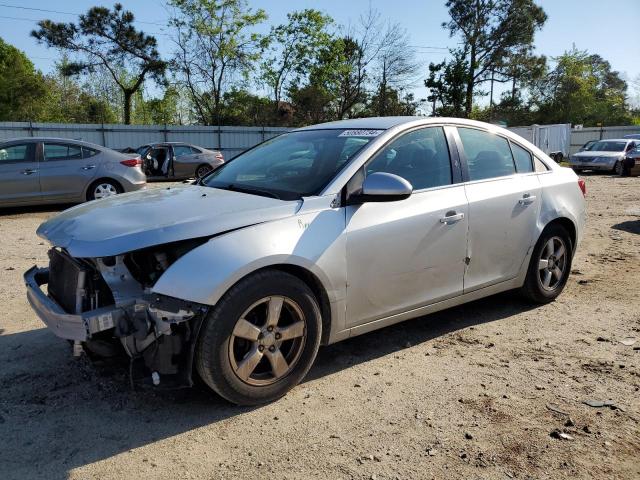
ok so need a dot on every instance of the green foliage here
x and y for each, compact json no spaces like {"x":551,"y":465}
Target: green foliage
{"x":492,"y":31}
{"x":295,"y":48}
{"x":447,"y":86}
{"x":215,"y":49}
{"x":108,"y":38}
{"x":582,"y":89}
{"x":21,"y":86}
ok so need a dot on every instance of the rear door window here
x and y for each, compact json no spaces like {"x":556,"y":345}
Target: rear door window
{"x":488,"y":155}
{"x":62,"y":151}
{"x":181,"y":150}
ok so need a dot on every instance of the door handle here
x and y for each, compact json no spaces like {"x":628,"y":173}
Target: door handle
{"x":451,"y":217}
{"x":88,"y":167}
{"x":527,"y":199}
{"x":29,"y":171}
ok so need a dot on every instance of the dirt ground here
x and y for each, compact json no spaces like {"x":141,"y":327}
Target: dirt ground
{"x":486,"y":390}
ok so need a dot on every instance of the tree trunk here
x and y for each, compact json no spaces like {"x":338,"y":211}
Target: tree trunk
{"x":128,"y":95}
{"x":470,"y":82}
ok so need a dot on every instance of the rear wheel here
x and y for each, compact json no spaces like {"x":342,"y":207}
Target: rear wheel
{"x":202,"y":170}
{"x":549,"y":266}
{"x":102,"y":189}
{"x":260,"y":339}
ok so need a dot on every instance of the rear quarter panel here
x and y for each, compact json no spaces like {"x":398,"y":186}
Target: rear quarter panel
{"x":562,"y":198}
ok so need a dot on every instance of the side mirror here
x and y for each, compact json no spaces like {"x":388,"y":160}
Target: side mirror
{"x":383,"y":187}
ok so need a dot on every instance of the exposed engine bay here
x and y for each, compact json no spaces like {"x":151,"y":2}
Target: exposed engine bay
{"x":120,"y":311}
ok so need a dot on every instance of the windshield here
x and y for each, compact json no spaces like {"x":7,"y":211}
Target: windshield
{"x":606,"y":146}
{"x":292,"y":165}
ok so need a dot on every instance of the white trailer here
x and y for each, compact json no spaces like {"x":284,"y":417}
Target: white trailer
{"x":554,"y":140}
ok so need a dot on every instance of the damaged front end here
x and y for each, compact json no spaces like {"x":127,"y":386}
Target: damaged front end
{"x":107,"y":304}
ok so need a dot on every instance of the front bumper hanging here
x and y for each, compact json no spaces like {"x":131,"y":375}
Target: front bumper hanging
{"x":77,"y":327}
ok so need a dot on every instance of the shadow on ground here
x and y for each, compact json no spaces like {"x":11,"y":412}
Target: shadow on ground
{"x":58,"y":413}
{"x":630,"y":226}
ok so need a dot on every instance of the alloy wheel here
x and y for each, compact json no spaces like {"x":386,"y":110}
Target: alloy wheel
{"x":552,"y":263}
{"x":202,"y":171}
{"x":103,"y":190}
{"x":267,"y":341}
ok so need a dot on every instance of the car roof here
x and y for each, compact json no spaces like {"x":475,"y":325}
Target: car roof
{"x":51,"y":139}
{"x":386,"y":123}
{"x":616,"y":139}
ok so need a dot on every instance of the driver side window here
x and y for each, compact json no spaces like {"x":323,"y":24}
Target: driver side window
{"x":421,"y":157}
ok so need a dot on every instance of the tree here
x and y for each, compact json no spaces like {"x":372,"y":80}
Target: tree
{"x":447,"y":86}
{"x":395,"y":103}
{"x":395,"y":65}
{"x":215,"y":50}
{"x":294,"y":48}
{"x":22,"y":87}
{"x":491,"y":31}
{"x":69,"y":101}
{"x":582,"y":89}
{"x":107,"y":38}
{"x":157,"y":111}
{"x":242,"y":107}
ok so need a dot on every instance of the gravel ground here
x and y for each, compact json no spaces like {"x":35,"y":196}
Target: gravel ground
{"x":493,"y":389}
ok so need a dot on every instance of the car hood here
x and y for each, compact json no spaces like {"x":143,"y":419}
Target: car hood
{"x":132,"y":221}
{"x":592,"y":154}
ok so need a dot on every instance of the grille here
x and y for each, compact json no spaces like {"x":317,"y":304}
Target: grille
{"x":66,"y":278}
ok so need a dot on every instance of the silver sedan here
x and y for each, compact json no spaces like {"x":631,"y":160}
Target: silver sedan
{"x":57,"y":170}
{"x":310,"y":238}
{"x":607,"y":155}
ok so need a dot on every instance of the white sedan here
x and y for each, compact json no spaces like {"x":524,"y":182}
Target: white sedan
{"x":309,"y":238}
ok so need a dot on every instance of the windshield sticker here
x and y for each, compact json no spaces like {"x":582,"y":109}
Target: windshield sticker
{"x":361,"y":133}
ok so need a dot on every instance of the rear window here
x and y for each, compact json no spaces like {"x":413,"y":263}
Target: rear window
{"x":88,"y":152}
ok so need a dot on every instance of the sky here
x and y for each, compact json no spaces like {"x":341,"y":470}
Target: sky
{"x":608,"y":28}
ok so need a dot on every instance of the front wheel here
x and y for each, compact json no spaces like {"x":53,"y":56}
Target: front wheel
{"x":261,"y":339}
{"x":618,"y":168}
{"x":549,"y":266}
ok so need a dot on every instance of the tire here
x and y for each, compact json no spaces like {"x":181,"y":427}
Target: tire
{"x":617,"y":168}
{"x":203,"y":170}
{"x":239,"y":363}
{"x":622,"y":169}
{"x":103,"y":188}
{"x":535,"y":288}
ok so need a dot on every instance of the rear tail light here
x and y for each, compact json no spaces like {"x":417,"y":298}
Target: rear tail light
{"x":583,"y":187}
{"x":134,"y":162}
{"x":219,"y":157}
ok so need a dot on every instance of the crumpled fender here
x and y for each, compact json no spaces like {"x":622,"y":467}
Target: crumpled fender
{"x":314,"y":241}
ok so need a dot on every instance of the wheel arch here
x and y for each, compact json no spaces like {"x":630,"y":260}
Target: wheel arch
{"x":568,"y":225}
